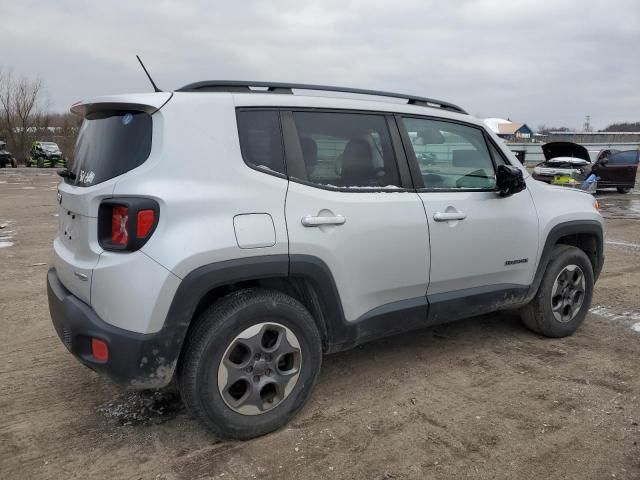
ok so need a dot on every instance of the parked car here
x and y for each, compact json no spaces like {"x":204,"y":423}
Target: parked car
{"x":618,"y":170}
{"x":234,"y":271}
{"x":5,"y":156}
{"x":45,"y":154}
{"x":615,"y":169}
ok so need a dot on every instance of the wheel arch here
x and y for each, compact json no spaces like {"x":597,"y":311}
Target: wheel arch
{"x":305,"y":278}
{"x":587,"y":235}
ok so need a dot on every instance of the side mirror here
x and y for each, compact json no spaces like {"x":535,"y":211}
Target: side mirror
{"x":509,"y":180}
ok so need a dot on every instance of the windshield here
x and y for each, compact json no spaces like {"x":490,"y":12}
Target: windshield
{"x":110,"y":144}
{"x":50,"y":147}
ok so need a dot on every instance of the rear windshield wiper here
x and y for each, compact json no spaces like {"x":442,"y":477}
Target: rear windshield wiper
{"x":67,"y":174}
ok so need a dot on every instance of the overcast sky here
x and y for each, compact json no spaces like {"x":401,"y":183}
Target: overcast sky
{"x":536,"y":61}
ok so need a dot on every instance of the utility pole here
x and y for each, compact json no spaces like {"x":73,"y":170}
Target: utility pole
{"x":586,"y":127}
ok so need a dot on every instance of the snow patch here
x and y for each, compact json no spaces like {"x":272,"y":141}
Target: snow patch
{"x":614,"y":314}
{"x":632,"y":319}
{"x":622,"y":243}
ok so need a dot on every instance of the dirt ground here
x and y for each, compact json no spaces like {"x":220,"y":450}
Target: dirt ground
{"x":483,"y":398}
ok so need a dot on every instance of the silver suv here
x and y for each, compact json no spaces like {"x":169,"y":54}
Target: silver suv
{"x":229,"y":234}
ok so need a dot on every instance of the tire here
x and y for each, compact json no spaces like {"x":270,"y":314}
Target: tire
{"x":40,"y":163}
{"x":214,"y":336}
{"x":539,"y":316}
{"x":624,"y":189}
{"x":14,"y":163}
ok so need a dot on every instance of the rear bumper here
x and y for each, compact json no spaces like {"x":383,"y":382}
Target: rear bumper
{"x":135,"y":360}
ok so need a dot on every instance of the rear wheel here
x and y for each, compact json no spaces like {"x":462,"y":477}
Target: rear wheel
{"x":564,"y":296}
{"x":250,"y":363}
{"x":624,"y":189}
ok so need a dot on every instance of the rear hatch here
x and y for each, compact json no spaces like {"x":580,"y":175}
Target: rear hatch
{"x":115,"y":137}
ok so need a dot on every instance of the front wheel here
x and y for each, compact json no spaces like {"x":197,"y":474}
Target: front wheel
{"x":250,"y":363}
{"x":624,"y":189}
{"x":564,"y":296}
{"x":14,"y":163}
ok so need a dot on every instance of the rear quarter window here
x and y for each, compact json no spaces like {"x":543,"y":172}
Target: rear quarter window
{"x":110,"y":144}
{"x":261,"y":140}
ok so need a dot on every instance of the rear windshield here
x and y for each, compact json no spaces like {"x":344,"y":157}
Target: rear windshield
{"x":110,"y":144}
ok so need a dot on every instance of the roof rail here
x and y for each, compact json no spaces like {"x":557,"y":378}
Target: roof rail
{"x":287,"y":88}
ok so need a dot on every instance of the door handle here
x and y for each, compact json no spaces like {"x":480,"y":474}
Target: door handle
{"x":309,"y":221}
{"x":446,"y":216}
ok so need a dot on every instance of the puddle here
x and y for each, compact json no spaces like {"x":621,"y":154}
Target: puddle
{"x":620,"y":206}
{"x":629,"y":318}
{"x":147,"y":407}
{"x":5,"y":244}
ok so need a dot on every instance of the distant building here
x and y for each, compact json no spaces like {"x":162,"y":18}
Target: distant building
{"x":510,"y":131}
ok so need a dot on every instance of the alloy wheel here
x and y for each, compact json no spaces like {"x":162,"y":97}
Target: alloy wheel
{"x":259,"y":368}
{"x":568,"y":293}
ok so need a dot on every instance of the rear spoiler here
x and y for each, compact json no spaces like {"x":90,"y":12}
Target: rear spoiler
{"x":144,"y":102}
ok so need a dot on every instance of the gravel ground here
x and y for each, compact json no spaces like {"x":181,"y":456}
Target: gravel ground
{"x":482,"y":398}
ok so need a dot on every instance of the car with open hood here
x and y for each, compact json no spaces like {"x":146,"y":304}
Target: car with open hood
{"x":614,"y":168}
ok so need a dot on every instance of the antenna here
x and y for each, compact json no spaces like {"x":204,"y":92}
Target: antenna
{"x":155,"y":87}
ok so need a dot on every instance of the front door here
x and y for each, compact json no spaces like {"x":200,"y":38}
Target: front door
{"x":347,"y":206}
{"x":620,"y":170}
{"x":483,"y":246}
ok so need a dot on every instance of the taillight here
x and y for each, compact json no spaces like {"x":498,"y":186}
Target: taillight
{"x":126,"y":223}
{"x":119,"y":224}
{"x":146,"y":221}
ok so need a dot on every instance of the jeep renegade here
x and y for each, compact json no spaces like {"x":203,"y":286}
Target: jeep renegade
{"x":229,"y":234}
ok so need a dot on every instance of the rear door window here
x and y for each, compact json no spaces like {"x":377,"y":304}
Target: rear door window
{"x":346,"y":150}
{"x":110,"y":144}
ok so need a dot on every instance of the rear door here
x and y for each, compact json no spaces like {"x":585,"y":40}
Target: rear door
{"x":483,"y":246}
{"x":620,"y":170}
{"x":350,"y":204}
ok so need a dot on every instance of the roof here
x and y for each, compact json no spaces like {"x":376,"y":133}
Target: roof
{"x":509,"y":128}
{"x":502,"y":126}
{"x":378,"y":105}
{"x":152,"y":102}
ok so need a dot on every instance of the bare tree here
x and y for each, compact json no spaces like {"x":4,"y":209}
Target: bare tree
{"x":22,"y":112}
